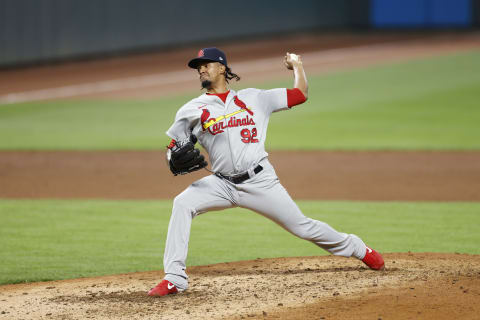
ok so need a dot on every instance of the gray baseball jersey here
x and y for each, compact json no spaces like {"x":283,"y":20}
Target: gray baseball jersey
{"x":234,"y":133}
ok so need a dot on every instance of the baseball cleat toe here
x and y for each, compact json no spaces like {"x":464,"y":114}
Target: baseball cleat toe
{"x":162,"y":289}
{"x":373,"y":260}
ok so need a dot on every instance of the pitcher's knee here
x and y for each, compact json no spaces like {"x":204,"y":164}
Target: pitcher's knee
{"x":178,"y":200}
{"x":182,"y":205}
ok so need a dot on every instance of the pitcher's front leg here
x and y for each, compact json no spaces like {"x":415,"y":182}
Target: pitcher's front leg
{"x":208,"y":194}
{"x":176,"y":247}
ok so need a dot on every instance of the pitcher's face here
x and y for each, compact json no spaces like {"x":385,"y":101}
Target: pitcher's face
{"x":211,"y":73}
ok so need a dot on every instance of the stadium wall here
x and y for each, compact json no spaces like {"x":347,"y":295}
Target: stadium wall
{"x":34,"y":31}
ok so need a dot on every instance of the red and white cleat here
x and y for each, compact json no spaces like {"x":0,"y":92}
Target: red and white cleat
{"x":163,"y":288}
{"x":373,"y":260}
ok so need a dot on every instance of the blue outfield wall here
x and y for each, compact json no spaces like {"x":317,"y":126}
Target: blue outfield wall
{"x":421,"y":13}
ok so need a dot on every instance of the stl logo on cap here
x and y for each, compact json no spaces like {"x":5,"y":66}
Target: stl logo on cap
{"x":200,"y":53}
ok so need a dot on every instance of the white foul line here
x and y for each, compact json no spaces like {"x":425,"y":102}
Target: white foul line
{"x":98,"y":87}
{"x":178,"y":77}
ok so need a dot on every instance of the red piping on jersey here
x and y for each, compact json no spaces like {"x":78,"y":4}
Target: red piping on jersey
{"x":222,"y":96}
{"x":295,"y":97}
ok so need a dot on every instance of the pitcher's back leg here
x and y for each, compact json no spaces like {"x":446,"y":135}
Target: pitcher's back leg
{"x":274,"y":202}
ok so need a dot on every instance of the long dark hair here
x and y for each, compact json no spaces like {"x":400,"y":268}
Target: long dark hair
{"x":229,"y":75}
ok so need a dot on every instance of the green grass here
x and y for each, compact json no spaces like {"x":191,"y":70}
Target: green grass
{"x":425,"y":104}
{"x":428,"y":104}
{"x":59,"y":239}
{"x":80,"y":125}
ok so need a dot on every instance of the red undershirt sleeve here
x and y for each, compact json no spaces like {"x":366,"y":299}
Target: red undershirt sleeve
{"x":295,"y":97}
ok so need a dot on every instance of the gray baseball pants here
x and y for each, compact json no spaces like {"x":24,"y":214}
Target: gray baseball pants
{"x":263,"y":194}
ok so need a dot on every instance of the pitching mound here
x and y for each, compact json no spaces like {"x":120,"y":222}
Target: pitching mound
{"x":425,"y":285}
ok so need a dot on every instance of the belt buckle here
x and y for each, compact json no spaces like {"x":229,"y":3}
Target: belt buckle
{"x":251,"y":172}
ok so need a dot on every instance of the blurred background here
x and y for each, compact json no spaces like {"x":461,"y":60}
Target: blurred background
{"x":50,"y":30}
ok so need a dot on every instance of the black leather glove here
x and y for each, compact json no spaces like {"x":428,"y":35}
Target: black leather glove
{"x":185,"y":158}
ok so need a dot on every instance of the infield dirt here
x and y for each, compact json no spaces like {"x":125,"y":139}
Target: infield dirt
{"x":375,"y":176}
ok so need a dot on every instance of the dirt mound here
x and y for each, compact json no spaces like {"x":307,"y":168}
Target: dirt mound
{"x":426,"y":285}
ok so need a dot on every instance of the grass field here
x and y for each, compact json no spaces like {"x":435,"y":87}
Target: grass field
{"x":59,"y":239}
{"x":429,"y":104}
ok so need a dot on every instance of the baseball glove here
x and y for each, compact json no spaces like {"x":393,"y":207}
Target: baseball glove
{"x":185,"y":158}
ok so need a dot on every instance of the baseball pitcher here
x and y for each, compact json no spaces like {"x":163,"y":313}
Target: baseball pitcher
{"x":232,"y":127}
